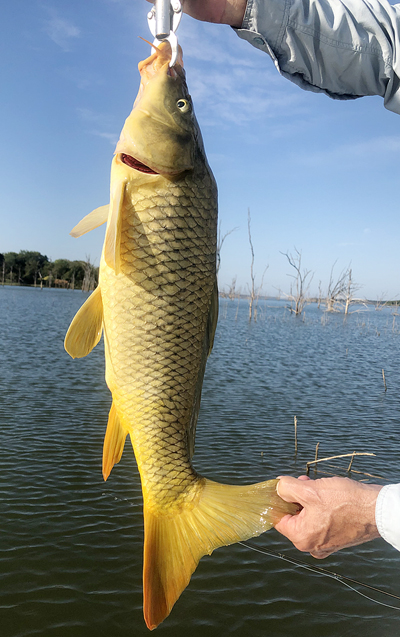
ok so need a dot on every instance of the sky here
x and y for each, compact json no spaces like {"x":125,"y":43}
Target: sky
{"x":318,"y":175}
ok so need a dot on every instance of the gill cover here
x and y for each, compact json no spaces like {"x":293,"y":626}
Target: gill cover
{"x":161,"y":130}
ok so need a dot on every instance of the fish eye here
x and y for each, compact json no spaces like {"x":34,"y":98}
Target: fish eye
{"x":183,"y":105}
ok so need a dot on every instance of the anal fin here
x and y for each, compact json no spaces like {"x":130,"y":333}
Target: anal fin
{"x":85,"y":330}
{"x":114,"y":442}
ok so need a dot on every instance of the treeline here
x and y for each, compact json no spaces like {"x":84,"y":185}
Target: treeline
{"x":33,"y":268}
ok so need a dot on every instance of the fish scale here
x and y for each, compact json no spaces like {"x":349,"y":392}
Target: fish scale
{"x":163,"y":365}
{"x":157,"y":303}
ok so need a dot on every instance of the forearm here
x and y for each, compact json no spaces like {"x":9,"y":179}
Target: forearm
{"x":345,"y":49}
{"x":220,"y":11}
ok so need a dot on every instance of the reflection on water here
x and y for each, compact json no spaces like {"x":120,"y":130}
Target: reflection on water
{"x":71,"y":545}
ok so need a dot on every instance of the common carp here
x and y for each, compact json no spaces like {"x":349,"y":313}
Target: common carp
{"x":157,"y":304}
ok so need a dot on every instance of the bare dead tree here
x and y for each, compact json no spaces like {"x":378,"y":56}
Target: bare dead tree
{"x":341,"y":292}
{"x":302,"y":280}
{"x":319,"y":294}
{"x":336,"y":289}
{"x":220,"y":242}
{"x":89,"y":278}
{"x":254,"y":293}
{"x":380,"y":302}
{"x":231,"y":293}
{"x":351,"y":289}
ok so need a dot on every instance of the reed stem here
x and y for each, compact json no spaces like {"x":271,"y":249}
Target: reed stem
{"x":316,"y":456}
{"x":384,"y":379}
{"x":351,"y":462}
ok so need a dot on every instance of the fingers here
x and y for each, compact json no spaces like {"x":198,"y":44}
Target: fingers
{"x":284,"y":525}
{"x":321,"y":556}
{"x":291,"y":525}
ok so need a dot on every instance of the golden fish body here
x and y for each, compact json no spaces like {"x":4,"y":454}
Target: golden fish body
{"x":156,"y":312}
{"x":157,"y":303}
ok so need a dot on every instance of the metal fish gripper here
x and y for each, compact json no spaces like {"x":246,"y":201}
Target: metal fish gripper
{"x":163,"y":21}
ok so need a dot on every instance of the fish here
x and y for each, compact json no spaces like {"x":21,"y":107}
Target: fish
{"x":157,"y":305}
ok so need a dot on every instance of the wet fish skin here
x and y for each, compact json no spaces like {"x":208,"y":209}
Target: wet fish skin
{"x":157,"y":302}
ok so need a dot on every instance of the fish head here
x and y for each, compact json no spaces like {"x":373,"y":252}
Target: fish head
{"x":161,"y":134}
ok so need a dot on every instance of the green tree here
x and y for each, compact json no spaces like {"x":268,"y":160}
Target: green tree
{"x":29,"y":267}
{"x":34,"y":263}
{"x":11,"y":259}
{"x":61,"y":268}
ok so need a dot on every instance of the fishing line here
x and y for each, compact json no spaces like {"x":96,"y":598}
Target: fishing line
{"x":322,"y":571}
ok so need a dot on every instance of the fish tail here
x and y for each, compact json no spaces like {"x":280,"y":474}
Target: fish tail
{"x":220,"y":515}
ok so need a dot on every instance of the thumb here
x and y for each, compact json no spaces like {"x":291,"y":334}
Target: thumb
{"x":292,"y":489}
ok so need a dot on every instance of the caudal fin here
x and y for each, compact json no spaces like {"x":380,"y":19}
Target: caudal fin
{"x":174,"y":543}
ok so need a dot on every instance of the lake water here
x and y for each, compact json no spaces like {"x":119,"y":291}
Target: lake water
{"x":71,"y":545}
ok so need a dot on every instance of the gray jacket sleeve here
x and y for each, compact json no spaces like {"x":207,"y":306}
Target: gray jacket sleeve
{"x":344,"y":48}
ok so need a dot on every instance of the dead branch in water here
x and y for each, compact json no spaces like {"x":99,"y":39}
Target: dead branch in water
{"x":343,"y":455}
{"x":341,"y":291}
{"x":384,"y":379}
{"x":316,"y":456}
{"x":89,"y":280}
{"x":220,"y":243}
{"x":298,"y":298}
{"x":254,"y":293}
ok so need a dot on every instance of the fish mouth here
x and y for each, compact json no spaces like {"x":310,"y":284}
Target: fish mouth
{"x":137,"y":165}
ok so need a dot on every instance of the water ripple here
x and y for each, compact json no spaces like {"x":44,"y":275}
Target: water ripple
{"x":71,"y":546}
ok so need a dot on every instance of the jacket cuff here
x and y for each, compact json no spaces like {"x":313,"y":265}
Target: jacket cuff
{"x":264,"y":24}
{"x":387,"y":514}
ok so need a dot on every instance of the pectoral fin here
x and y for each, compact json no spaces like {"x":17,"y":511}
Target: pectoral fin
{"x":93,"y":220}
{"x":112,"y":243}
{"x":86,"y":327}
{"x":114,"y":442}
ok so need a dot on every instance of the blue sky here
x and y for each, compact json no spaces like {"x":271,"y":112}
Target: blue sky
{"x":317,"y":174}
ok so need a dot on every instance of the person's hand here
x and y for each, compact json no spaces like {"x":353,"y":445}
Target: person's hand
{"x":221,"y":11}
{"x":337,"y":513}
